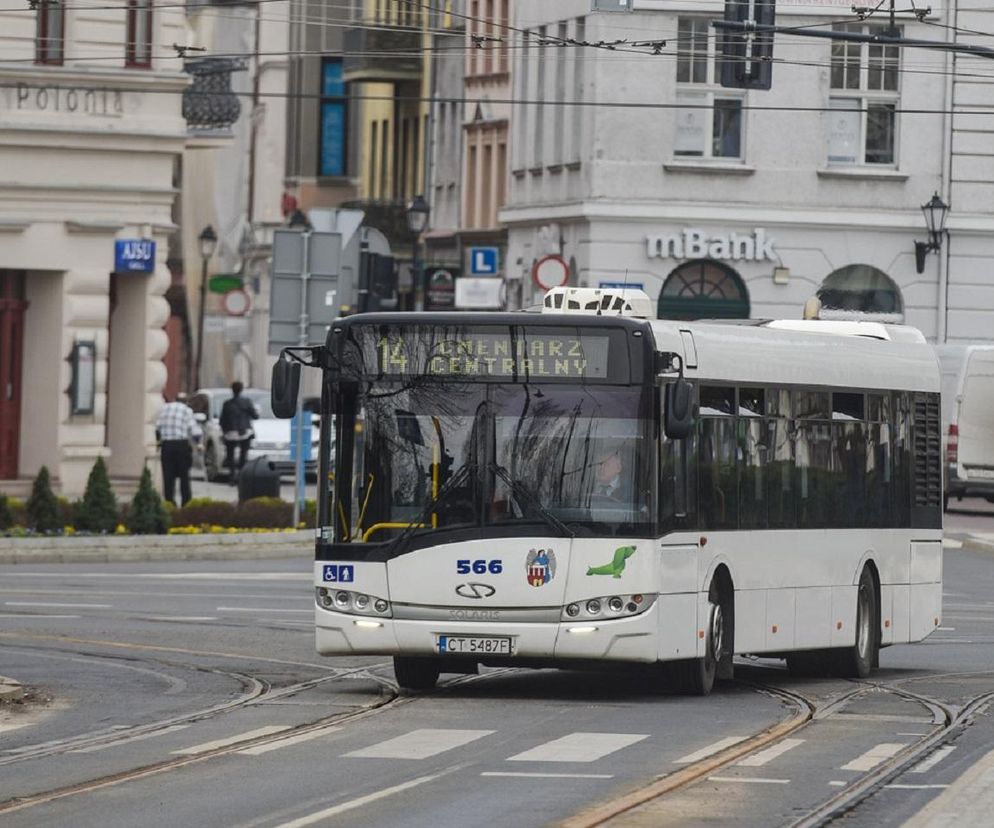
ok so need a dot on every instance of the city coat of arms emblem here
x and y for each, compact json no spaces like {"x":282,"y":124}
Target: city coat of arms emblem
{"x":540,"y":566}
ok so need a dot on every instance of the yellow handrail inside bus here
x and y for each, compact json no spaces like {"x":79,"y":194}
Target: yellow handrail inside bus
{"x":377,"y":526}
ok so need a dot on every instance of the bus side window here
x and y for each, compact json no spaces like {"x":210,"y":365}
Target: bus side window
{"x":718,"y":497}
{"x":753,"y":459}
{"x":677,"y":481}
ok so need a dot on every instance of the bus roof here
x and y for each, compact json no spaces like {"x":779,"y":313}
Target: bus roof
{"x":818,"y":353}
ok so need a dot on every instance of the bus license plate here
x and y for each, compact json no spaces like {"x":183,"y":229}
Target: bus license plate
{"x":472,"y":645}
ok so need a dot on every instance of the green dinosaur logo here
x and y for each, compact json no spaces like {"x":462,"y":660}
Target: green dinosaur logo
{"x":617,"y":565}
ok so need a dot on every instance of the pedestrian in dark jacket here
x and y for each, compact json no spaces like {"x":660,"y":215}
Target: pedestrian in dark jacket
{"x":237,"y":414}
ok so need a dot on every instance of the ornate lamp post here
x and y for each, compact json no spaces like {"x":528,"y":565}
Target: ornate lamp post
{"x":208,"y":244}
{"x":935,"y":212}
{"x":417,"y":221}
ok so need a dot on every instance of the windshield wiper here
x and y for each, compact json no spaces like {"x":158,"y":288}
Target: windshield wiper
{"x":454,"y":482}
{"x":524,"y":494}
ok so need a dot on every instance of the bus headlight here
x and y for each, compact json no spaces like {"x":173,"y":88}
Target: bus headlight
{"x":608,"y":607}
{"x":352,"y":603}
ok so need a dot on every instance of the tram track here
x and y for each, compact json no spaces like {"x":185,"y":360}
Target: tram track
{"x":948,"y":720}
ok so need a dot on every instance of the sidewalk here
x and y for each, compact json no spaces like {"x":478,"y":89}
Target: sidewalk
{"x":9,"y":689}
{"x":123,"y":548}
{"x":967,"y":803}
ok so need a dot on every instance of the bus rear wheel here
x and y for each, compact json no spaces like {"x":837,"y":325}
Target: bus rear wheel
{"x":416,"y":673}
{"x":857,"y":661}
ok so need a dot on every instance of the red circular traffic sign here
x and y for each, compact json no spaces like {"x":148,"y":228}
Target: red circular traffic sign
{"x":550,"y":271}
{"x":236,"y":302}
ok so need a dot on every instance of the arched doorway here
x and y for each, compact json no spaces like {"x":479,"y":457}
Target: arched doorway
{"x":861,"y":292}
{"x":703,"y":289}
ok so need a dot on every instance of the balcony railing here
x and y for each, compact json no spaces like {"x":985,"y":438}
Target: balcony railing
{"x":383,"y":54}
{"x":209,"y":103}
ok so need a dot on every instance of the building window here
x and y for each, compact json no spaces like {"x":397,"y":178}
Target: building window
{"x":709,"y":120}
{"x":50,"y":32}
{"x":332,"y":159}
{"x":703,"y":289}
{"x":862,"y":122}
{"x":861,"y":292}
{"x":138,"y":52}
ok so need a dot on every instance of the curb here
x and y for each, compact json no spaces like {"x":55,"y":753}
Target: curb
{"x":976,"y":543}
{"x":111,"y":549}
{"x":10,"y":689}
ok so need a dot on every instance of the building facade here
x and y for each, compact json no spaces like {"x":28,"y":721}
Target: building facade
{"x":91,"y":126}
{"x":634,"y":166}
{"x":471,"y":144}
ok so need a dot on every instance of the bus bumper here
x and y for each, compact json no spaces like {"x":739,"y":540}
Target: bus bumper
{"x":631,"y":639}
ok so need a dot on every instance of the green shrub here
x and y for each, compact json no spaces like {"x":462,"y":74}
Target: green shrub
{"x":43,"y":512}
{"x":18,"y":512}
{"x":204,"y":510}
{"x":147,"y":515}
{"x":6,"y":517}
{"x":263,"y":513}
{"x":97,"y":511}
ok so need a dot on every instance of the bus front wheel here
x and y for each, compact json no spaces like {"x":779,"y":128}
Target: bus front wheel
{"x":416,"y":673}
{"x":695,"y":676}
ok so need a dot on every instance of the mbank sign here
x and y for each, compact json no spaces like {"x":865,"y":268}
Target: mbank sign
{"x":134,"y":256}
{"x":693,"y":243}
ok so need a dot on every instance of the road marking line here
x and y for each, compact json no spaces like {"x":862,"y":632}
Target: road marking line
{"x":258,"y":609}
{"x":710,"y":750}
{"x":23,"y":615}
{"x":933,"y":760}
{"x":874,"y":756}
{"x":835,"y":783}
{"x":177,"y":618}
{"x":764,"y":756}
{"x":549,"y":775}
{"x":50,"y":604}
{"x":919,"y":735}
{"x":756,"y":779}
{"x":947,"y":629}
{"x":231,"y":740}
{"x":420,"y":744}
{"x":579,"y":747}
{"x":356,"y":803}
{"x":287,"y":742}
{"x":140,"y":737}
{"x":952,"y":542}
{"x":915,"y":787}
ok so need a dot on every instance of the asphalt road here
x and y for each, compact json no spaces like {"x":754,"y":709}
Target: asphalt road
{"x":189,"y":694}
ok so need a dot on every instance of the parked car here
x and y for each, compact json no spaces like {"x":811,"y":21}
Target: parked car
{"x":967,"y":420}
{"x":272,"y":436}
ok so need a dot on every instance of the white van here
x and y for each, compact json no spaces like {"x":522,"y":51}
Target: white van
{"x":968,"y":419}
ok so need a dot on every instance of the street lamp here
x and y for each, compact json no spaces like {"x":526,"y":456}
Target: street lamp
{"x":208,"y":244}
{"x":417,"y":221}
{"x":935,"y":220}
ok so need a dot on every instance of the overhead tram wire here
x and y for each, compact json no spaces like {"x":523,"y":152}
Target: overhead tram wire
{"x":636,"y":105}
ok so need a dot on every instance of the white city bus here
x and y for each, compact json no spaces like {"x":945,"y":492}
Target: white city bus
{"x":775,"y":489}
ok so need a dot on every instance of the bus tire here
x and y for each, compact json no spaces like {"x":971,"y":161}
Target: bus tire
{"x":416,"y":673}
{"x":858,"y":660}
{"x":695,"y":676}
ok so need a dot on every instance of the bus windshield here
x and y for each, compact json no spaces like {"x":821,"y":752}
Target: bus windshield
{"x":446,"y":455}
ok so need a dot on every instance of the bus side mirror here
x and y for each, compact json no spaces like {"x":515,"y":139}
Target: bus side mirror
{"x":679,"y":410}
{"x":283,"y":391}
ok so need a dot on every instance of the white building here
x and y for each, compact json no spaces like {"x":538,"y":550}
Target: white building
{"x":91,"y":126}
{"x":726,"y":202}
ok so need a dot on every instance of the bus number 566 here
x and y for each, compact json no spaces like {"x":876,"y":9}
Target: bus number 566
{"x":479,"y":567}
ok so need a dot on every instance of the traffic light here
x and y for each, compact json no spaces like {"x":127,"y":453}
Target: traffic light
{"x":746,"y":56}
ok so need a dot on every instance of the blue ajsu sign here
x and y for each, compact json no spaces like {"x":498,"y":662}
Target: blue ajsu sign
{"x":134,"y":256}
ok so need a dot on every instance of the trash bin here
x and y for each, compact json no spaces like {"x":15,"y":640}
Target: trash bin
{"x":258,"y":478}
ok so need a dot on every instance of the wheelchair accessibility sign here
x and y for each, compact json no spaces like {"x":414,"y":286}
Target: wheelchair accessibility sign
{"x":338,"y":573}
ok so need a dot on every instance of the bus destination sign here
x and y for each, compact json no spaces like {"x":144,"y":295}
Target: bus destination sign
{"x":493,"y":354}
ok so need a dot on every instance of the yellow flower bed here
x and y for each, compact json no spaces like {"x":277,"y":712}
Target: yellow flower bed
{"x":223,"y":530}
